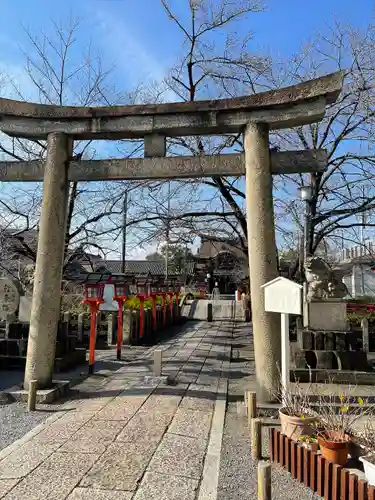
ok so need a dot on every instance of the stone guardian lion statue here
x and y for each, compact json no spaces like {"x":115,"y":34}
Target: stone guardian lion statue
{"x":323,"y":282}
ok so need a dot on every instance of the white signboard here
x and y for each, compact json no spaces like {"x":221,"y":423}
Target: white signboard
{"x":283,"y":296}
{"x":9,"y":297}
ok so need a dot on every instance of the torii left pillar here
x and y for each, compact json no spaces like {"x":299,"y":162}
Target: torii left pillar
{"x":45,"y":307}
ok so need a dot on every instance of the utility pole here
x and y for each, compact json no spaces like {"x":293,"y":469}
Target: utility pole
{"x":167,"y":231}
{"x":124,"y":223}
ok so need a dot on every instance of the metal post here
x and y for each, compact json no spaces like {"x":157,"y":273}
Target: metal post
{"x":306,"y":249}
{"x":167,"y":232}
{"x":124,"y":224}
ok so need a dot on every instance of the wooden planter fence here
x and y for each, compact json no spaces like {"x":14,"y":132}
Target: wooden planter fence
{"x":330,"y":481}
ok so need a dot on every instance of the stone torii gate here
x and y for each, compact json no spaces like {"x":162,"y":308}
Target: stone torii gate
{"x":252,"y":115}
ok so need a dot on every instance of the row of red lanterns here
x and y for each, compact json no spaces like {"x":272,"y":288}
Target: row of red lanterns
{"x":94,"y":293}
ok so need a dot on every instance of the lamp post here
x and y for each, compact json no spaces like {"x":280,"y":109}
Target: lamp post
{"x":93,"y":298}
{"x":306,"y":195}
{"x":121,"y":293}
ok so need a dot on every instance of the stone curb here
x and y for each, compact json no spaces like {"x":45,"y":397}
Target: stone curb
{"x":210,"y":478}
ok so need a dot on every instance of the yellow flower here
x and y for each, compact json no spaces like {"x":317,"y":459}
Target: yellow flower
{"x":360,"y":401}
{"x":344,"y":409}
{"x":342,"y":397}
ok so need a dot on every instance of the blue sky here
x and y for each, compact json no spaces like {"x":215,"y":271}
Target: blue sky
{"x":141,"y":41}
{"x":137,"y":38}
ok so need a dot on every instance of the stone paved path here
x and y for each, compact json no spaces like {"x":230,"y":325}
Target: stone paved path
{"x":129,"y":436}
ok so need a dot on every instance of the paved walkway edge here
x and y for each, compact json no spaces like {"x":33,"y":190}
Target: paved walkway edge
{"x":210,"y":479}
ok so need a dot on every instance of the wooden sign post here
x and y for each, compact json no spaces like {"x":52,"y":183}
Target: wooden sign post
{"x":285,"y":297}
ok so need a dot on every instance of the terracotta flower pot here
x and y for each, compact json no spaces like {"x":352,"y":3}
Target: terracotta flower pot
{"x":334,"y":451}
{"x":294,"y":427}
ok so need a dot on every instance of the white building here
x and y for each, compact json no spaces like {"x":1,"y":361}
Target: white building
{"x":358,"y":262}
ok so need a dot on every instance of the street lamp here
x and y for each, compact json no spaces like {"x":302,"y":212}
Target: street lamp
{"x":306,"y":195}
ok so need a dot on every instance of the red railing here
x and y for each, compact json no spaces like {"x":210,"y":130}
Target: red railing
{"x":330,"y":481}
{"x":355,"y":307}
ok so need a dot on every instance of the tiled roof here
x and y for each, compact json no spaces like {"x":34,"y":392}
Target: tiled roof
{"x":141,"y":267}
{"x":136,"y":267}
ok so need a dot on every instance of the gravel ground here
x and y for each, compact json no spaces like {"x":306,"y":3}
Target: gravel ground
{"x":238,"y":470}
{"x":15,"y":422}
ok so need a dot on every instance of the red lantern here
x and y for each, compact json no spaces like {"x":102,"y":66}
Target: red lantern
{"x":141,"y":288}
{"x":121,"y":290}
{"x":94,"y":292}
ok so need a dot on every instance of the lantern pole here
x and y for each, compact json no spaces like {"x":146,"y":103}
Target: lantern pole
{"x":93,"y":325}
{"x":141,"y":297}
{"x":120,"y":297}
{"x":154,"y":293}
{"x":93,"y":298}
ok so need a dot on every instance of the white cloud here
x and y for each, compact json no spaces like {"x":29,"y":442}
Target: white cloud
{"x":133,"y":59}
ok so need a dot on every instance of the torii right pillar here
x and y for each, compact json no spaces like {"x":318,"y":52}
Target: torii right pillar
{"x":262,"y":258}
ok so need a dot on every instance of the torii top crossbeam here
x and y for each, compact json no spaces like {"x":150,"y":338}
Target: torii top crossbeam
{"x":288,"y":107}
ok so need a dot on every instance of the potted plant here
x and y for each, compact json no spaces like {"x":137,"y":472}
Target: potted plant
{"x":335,"y":425}
{"x":295,"y":416}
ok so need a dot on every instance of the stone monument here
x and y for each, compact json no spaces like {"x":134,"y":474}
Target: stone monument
{"x":10,"y":292}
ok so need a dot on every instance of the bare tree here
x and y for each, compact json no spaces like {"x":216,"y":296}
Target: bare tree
{"x":210,"y":69}
{"x":58,"y":77}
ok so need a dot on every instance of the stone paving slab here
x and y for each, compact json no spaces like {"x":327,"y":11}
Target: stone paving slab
{"x":191,"y":423}
{"x":22,"y":461}
{"x":54,"y":478}
{"x":180,"y":454}
{"x":121,"y":466}
{"x":96,"y":494}
{"x":60,"y":431}
{"x":94,"y":437}
{"x":6,"y":485}
{"x":122,"y":408}
{"x":161,"y":487}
